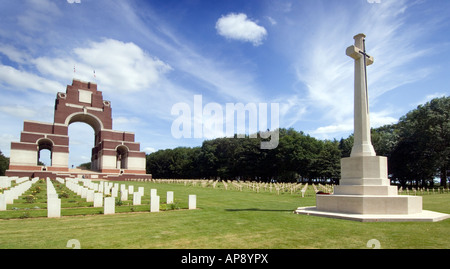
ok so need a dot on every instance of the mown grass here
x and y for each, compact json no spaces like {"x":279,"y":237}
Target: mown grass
{"x":225,"y":219}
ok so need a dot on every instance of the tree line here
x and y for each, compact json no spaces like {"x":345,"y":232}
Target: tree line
{"x":417,"y":147}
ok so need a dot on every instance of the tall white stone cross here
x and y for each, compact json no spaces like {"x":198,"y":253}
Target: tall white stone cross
{"x":362,"y":145}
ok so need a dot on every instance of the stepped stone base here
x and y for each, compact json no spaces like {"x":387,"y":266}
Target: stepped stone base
{"x":425,"y":216}
{"x":365,"y":194}
{"x":369,"y":204}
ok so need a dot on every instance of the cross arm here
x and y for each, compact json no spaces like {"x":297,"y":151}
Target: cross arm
{"x":356,"y":53}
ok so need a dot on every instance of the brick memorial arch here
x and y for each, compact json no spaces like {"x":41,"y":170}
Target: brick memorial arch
{"x":115,"y":154}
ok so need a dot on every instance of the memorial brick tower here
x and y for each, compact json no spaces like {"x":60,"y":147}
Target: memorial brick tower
{"x":115,"y":154}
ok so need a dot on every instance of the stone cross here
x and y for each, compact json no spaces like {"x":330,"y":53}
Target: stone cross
{"x":362,"y":145}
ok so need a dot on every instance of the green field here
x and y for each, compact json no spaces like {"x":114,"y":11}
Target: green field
{"x":225,"y":219}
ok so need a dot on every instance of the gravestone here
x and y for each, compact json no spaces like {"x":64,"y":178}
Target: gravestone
{"x":9,"y":197}
{"x":109,"y":206}
{"x":154,"y":203}
{"x":153,"y":192}
{"x":141,"y":190}
{"x":98,"y":199}
{"x":114,"y":191}
{"x":53,"y":207}
{"x":2,"y":202}
{"x":124,"y":195}
{"x":136,"y":198}
{"x":192,"y":201}
{"x":84,"y":192}
{"x":169,"y":199}
{"x":90,"y":196}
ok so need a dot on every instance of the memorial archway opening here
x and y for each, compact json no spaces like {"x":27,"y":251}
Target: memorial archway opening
{"x":81,"y":142}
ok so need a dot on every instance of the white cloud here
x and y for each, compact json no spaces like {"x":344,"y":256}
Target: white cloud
{"x":118,"y":66}
{"x":25,"y":80}
{"x":429,"y":97}
{"x":149,"y":150}
{"x":18,"y":111}
{"x":239,"y":27}
{"x":381,"y":118}
{"x":14,"y":54}
{"x":5,"y":143}
{"x":335,"y":128}
{"x":271,"y":20}
{"x":38,"y":14}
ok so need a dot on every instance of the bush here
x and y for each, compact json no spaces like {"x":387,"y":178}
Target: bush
{"x":30,"y":199}
{"x":63,"y":194}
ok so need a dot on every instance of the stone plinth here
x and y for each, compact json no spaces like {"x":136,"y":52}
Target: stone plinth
{"x":365,"y":189}
{"x":370,"y":204}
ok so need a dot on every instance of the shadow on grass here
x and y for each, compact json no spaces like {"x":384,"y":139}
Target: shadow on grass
{"x":259,"y":209}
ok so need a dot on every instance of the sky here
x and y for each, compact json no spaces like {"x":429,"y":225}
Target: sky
{"x":151,"y":56}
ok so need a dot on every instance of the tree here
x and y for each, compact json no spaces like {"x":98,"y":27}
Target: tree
{"x":424,"y":142}
{"x":4,"y":164}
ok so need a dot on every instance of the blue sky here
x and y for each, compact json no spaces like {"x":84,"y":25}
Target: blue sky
{"x":150,"y":55}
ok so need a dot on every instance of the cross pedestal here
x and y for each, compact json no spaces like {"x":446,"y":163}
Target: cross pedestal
{"x":364,"y":192}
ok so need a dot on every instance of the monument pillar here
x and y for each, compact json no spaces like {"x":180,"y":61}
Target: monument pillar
{"x":365,"y":192}
{"x":362,"y":145}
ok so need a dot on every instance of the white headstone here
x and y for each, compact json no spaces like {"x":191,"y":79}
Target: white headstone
{"x":152,"y":192}
{"x":98,"y":199}
{"x":2,"y":202}
{"x":114,"y":192}
{"x":106,"y":189}
{"x":141,"y":190}
{"x":53,"y":208}
{"x":109,"y":206}
{"x":84,"y":192}
{"x":90,"y":196}
{"x":192,"y":201}
{"x":169,"y":197}
{"x":136,"y":198}
{"x":131,"y":189}
{"x":154,"y":203}
{"x":124,"y":195}
{"x":9,"y":197}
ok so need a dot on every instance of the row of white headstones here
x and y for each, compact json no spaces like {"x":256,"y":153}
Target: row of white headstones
{"x":8,"y":196}
{"x":92,"y":192}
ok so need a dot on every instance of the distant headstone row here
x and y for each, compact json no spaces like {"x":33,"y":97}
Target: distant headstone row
{"x":102,"y":194}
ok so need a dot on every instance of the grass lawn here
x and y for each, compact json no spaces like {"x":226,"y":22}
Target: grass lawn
{"x":225,"y":219}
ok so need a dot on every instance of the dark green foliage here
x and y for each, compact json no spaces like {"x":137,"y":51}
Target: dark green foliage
{"x":298,"y":156}
{"x":417,"y":147}
{"x":4,"y":164}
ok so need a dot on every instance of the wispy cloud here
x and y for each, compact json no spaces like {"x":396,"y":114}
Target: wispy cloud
{"x":327,"y":73}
